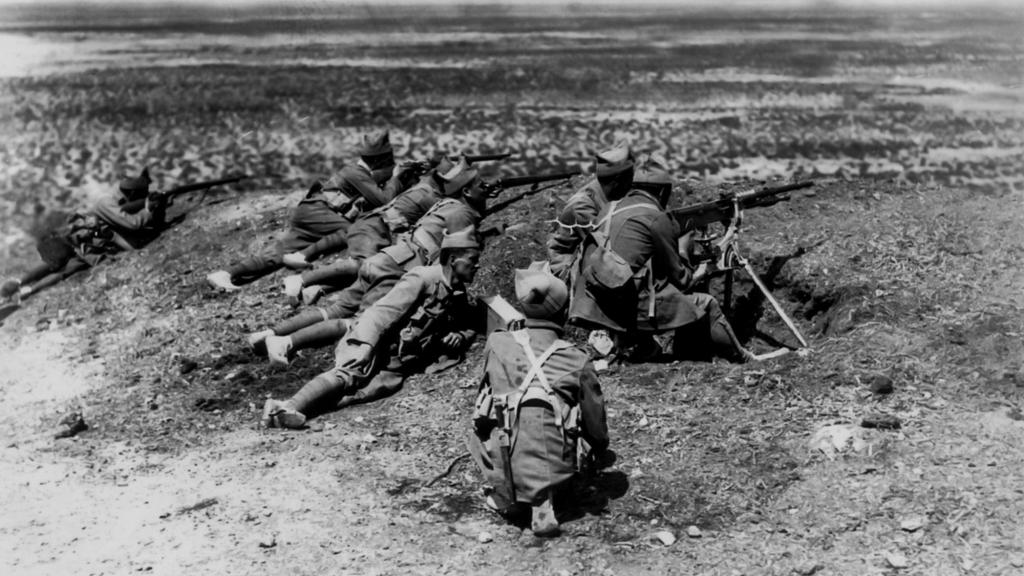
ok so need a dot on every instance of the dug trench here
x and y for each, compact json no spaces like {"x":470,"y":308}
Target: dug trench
{"x":174,"y":471}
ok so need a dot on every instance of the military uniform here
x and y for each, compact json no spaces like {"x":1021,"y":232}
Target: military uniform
{"x":613,"y":170}
{"x":538,"y":396}
{"x":313,"y":220}
{"x":318,"y":225}
{"x":87,"y":238}
{"x":578,"y":213}
{"x":378,"y":275}
{"x":543,"y":451}
{"x":646,"y":239}
{"x":633,"y":281}
{"x":374,"y":231}
{"x":357,"y":182}
{"x":405,"y":329}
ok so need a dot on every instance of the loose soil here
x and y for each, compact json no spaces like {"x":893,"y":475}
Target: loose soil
{"x":921,"y":285}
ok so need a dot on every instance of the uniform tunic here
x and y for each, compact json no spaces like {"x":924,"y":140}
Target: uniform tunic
{"x":580,"y":210}
{"x":373,"y":232}
{"x":647,"y":239}
{"x":542,"y":457}
{"x":316,"y":225}
{"x":88,"y":238}
{"x":405,"y":328}
{"x":386,"y":211}
{"x":378,"y":274}
{"x":134,"y":227}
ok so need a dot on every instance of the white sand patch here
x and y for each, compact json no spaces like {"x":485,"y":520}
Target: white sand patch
{"x":37,"y":370}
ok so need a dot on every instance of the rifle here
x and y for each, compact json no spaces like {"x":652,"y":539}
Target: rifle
{"x":721,"y":252}
{"x":204,"y":185}
{"x":419,"y":168}
{"x":136,"y":205}
{"x":494,"y":188}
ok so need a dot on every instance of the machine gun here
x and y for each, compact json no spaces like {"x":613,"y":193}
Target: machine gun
{"x":720,"y":252}
{"x":495,"y":187}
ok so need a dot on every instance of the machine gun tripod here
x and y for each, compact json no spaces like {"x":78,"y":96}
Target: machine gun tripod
{"x":722,"y":251}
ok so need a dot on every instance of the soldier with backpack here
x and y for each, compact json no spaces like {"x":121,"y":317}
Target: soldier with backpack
{"x":538,"y":396}
{"x":613,"y":175}
{"x":83,"y":239}
{"x":424,"y":323}
{"x":634,"y":283}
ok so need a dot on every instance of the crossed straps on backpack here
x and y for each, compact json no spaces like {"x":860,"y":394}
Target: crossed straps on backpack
{"x":535,"y":385}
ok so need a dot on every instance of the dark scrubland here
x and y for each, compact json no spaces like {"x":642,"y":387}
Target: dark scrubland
{"x":912,"y":274}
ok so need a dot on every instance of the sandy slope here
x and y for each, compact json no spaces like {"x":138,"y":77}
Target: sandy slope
{"x":159,"y":486}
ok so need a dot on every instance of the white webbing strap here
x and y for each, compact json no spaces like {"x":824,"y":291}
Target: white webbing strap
{"x":613,"y":209}
{"x":536,"y":376}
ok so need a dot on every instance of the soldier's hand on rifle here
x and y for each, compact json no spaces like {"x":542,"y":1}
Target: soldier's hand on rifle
{"x":360,"y":357}
{"x":156,"y":201}
{"x":453,"y":341}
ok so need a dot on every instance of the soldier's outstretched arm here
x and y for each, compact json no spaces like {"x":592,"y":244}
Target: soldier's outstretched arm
{"x":392,"y":310}
{"x":118,"y":219}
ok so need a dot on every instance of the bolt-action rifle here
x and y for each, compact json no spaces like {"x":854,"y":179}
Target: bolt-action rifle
{"x":720,"y":252}
{"x":416,"y":169}
{"x":168,"y":195}
{"x":495,"y":187}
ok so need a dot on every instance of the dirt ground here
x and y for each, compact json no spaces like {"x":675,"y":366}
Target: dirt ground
{"x":754,"y":469}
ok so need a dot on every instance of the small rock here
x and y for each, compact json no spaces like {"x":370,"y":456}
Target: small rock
{"x":694,"y":532}
{"x":665,"y":537}
{"x":881,"y":384}
{"x":268,"y":542}
{"x":896,"y":559}
{"x":484,"y":537}
{"x":881,"y":421}
{"x":187,"y":365}
{"x":912,"y":524}
{"x":1017,"y":562}
{"x":809,"y":568}
{"x":71,"y":425}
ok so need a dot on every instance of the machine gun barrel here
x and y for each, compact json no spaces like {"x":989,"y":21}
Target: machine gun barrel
{"x":723,"y":209}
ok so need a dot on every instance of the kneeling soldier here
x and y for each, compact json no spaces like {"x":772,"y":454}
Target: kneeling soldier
{"x":538,"y":394}
{"x":425,"y":322}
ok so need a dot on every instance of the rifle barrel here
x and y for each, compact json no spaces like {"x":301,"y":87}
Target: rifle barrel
{"x":470,"y":158}
{"x":205,"y":184}
{"x":535,"y":179}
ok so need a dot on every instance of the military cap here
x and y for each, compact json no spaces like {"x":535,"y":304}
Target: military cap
{"x":465,"y":238}
{"x":458,"y":178}
{"x":653,"y":169}
{"x":375,"y":143}
{"x":449,"y":169}
{"x":444,"y":164}
{"x":614,"y":161}
{"x":540,"y":293}
{"x":138,"y":184}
